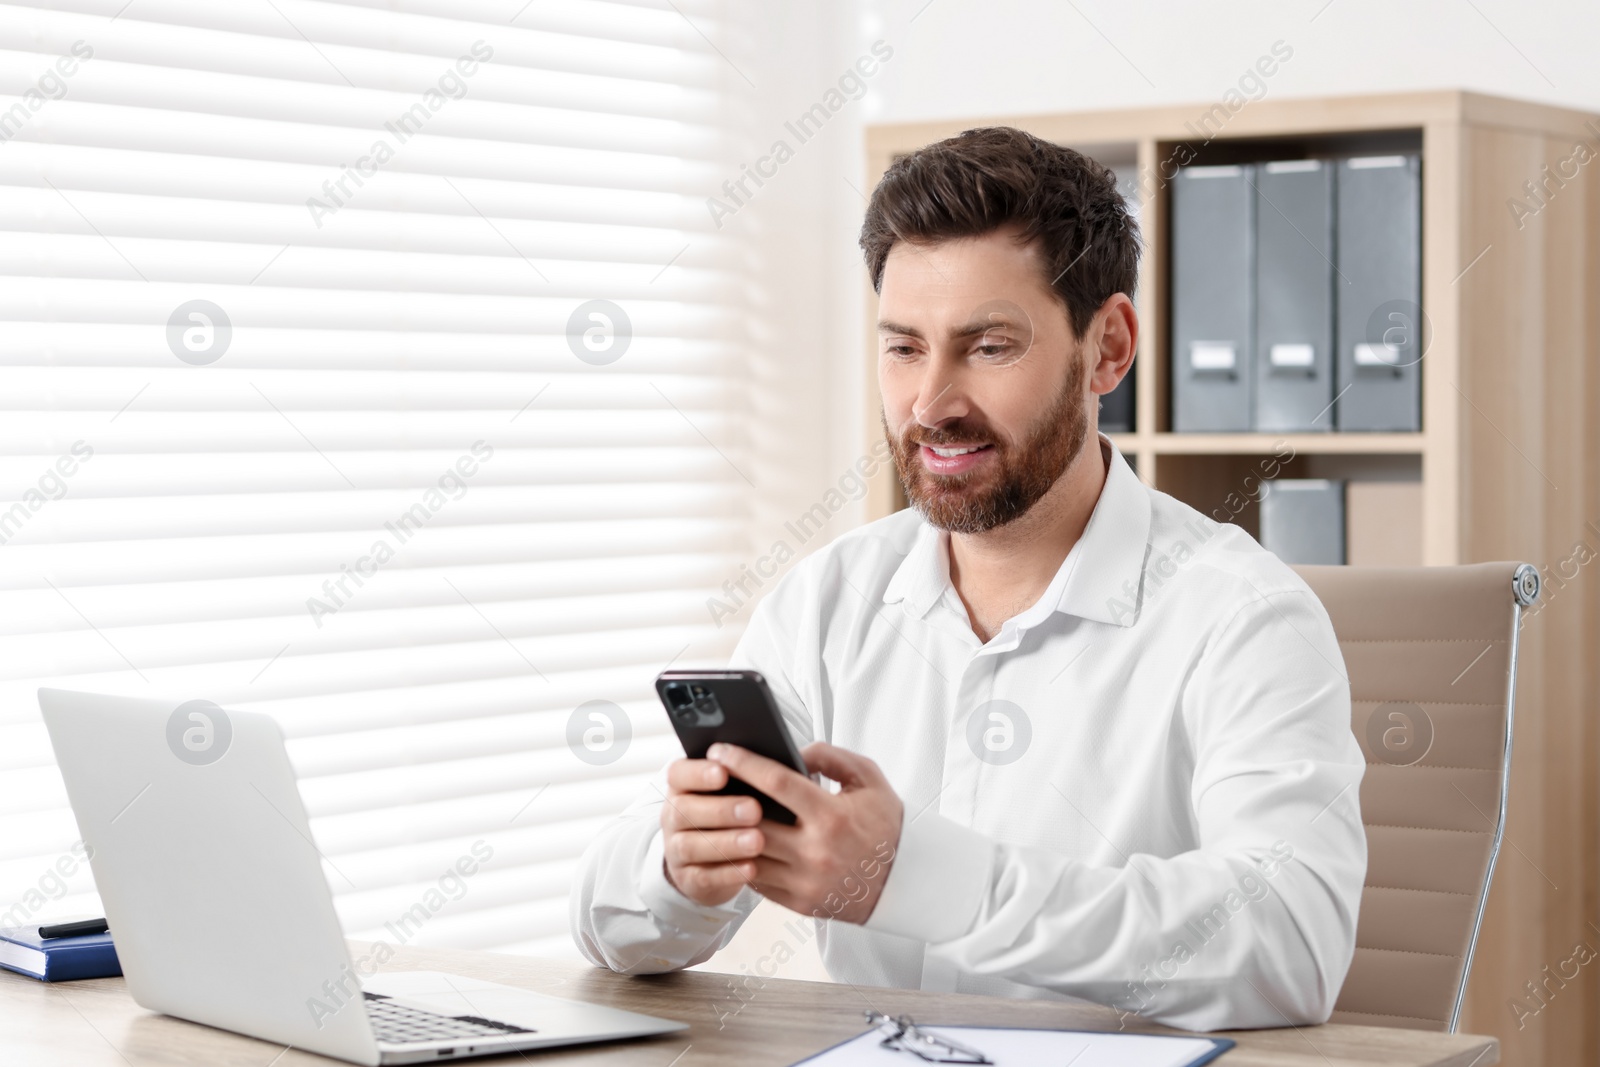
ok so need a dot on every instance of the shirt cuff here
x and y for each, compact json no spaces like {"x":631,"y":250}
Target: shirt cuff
{"x":937,"y":882}
{"x":671,"y":906}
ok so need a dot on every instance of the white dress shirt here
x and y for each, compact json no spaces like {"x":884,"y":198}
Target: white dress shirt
{"x":1141,"y":792}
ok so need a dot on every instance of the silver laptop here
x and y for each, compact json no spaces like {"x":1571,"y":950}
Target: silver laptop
{"x":217,"y":903}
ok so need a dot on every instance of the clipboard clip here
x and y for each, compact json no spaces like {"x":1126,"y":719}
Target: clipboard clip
{"x":900,"y":1034}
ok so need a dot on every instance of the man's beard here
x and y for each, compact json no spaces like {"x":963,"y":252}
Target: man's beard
{"x":976,"y":502}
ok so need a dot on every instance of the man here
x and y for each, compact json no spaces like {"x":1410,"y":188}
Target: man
{"x":1088,"y":743}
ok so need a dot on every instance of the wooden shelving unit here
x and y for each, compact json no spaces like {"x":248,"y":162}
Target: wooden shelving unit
{"x":1508,"y":459}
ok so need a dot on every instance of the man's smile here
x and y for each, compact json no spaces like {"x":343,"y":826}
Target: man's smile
{"x":954,"y":459}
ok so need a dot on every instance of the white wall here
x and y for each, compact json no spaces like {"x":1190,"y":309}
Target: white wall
{"x":1018,"y":56}
{"x":800,"y":226}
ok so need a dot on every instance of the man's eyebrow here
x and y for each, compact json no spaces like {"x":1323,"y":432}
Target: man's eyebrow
{"x":974,"y":328}
{"x":884,"y":326}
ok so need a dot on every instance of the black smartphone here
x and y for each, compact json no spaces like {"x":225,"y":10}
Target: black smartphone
{"x":736,"y":708}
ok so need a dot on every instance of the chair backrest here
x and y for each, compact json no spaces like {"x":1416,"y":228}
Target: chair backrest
{"x":1432,"y":657}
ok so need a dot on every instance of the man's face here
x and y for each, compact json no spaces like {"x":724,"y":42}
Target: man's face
{"x":985,"y":398}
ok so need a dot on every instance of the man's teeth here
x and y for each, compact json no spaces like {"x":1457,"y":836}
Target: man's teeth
{"x":949,"y":452}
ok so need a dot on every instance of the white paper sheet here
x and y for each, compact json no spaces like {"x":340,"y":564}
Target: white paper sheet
{"x":1034,"y":1048}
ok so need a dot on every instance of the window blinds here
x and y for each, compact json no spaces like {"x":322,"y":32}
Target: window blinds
{"x":376,"y":365}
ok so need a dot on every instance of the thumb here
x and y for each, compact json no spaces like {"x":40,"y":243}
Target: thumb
{"x":845,"y":767}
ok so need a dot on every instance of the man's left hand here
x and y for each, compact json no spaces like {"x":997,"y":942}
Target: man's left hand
{"x":833,"y":862}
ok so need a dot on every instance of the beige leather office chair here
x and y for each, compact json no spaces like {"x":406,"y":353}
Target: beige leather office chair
{"x":1432,"y":658}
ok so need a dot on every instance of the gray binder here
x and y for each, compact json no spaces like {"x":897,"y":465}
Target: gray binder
{"x":1302,"y":520}
{"x":1117,"y":406}
{"x":1213,"y":249}
{"x":1294,"y":295}
{"x":1380,"y":333}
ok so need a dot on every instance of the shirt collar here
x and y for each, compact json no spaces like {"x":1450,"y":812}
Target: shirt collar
{"x":1099,"y":580}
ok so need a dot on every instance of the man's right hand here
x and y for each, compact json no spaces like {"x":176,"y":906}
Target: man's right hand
{"x":710,"y":842}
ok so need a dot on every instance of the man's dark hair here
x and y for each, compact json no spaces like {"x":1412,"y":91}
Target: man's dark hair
{"x":982,"y":179}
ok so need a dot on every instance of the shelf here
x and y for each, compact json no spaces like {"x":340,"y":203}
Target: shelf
{"x":1127,"y":443}
{"x":1265,"y":444}
{"x":1191,"y":444}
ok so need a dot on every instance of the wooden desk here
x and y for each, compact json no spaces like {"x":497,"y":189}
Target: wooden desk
{"x":94,"y":1023}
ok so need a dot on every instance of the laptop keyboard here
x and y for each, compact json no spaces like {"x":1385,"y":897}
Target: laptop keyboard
{"x":397,"y":1024}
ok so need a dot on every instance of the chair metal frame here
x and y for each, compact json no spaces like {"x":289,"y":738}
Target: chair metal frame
{"x":1524,"y":592}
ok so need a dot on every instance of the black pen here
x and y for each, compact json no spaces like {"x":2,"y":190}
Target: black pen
{"x":77,"y":929}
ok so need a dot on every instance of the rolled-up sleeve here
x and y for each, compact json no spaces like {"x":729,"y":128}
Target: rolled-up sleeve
{"x":628,"y":917}
{"x":624,"y":913}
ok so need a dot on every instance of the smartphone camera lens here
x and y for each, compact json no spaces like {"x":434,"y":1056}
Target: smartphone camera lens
{"x":678,"y":696}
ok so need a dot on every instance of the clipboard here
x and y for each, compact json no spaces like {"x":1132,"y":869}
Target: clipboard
{"x":1027,"y":1047}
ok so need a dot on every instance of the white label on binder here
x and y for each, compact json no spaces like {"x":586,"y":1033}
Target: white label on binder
{"x":1376,"y":355}
{"x":1375,"y":162}
{"x":1212,"y":355}
{"x":1293,"y":356}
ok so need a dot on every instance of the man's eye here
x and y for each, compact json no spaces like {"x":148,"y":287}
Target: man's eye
{"x":900,"y":351}
{"x":994,"y":351}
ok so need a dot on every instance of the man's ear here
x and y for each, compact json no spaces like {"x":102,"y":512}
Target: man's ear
{"x":1113,"y":334}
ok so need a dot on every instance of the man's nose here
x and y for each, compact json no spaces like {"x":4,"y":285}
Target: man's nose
{"x":940,"y":398}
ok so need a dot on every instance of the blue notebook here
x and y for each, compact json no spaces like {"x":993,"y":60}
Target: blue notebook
{"x":57,"y":959}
